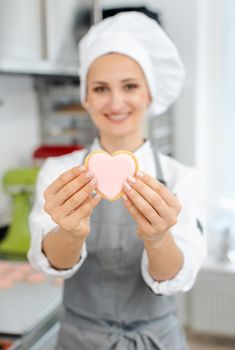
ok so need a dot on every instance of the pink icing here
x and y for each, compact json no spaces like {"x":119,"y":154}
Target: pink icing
{"x":111,"y":172}
{"x":6,"y":283}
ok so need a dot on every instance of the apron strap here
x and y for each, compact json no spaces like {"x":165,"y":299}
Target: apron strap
{"x":158,"y":166}
{"x":135,"y":340}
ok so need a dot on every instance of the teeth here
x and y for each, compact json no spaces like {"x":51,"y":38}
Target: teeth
{"x":118,"y":117}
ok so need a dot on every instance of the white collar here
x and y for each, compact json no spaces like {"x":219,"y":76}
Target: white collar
{"x":139,"y":152}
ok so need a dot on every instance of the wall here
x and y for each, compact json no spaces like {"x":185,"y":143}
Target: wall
{"x":180,"y":21}
{"x":19,"y":128}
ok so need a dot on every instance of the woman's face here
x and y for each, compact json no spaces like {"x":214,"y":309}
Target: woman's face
{"x":117,"y":95}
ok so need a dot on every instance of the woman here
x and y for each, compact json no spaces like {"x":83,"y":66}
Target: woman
{"x":122,"y":261}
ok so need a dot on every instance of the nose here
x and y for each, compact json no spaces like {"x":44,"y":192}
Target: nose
{"x":116,"y":101}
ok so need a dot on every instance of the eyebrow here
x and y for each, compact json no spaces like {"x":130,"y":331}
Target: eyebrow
{"x":122,"y":81}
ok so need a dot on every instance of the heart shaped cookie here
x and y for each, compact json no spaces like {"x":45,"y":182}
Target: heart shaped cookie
{"x":111,"y":170}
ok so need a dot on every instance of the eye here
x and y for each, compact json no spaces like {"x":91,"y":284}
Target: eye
{"x":100,"y":89}
{"x":130,"y":86}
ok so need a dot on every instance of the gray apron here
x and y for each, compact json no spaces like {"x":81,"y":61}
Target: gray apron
{"x":108,"y":306}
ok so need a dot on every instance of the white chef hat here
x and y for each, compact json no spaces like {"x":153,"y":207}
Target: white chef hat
{"x":141,"y":38}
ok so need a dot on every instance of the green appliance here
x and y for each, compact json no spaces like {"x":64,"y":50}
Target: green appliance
{"x":19,"y":183}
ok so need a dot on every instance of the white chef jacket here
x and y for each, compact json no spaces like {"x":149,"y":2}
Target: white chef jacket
{"x":182,"y":180}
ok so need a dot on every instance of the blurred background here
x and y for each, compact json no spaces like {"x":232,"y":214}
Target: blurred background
{"x":41,"y":116}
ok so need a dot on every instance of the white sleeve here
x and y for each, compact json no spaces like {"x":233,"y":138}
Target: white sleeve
{"x":189,"y":234}
{"x":40,"y":224}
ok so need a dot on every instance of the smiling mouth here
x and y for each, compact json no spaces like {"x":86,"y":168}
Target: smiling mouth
{"x":118,"y":118}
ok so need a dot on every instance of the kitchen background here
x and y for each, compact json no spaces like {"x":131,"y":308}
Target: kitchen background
{"x":40,"y":115}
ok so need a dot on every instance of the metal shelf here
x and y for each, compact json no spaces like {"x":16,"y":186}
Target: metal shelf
{"x":40,"y":67}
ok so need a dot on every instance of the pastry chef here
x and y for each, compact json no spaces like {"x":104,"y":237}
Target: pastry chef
{"x":123,"y":261}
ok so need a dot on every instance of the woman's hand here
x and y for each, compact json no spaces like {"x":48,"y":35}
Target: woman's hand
{"x":152,"y":205}
{"x":69,"y":202}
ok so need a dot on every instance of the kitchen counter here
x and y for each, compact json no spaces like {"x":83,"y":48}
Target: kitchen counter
{"x":31,"y":307}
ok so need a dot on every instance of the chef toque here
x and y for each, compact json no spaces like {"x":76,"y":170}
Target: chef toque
{"x":141,"y":38}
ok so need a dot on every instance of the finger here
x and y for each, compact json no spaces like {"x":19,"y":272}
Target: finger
{"x":72,"y":187}
{"x":162,"y":190}
{"x":86,"y":208}
{"x":142,"y":205}
{"x":155,"y":200}
{"x":141,"y":221}
{"x":72,"y":220}
{"x":63,"y":179}
{"x":79,"y":197}
{"x":76,"y":219}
